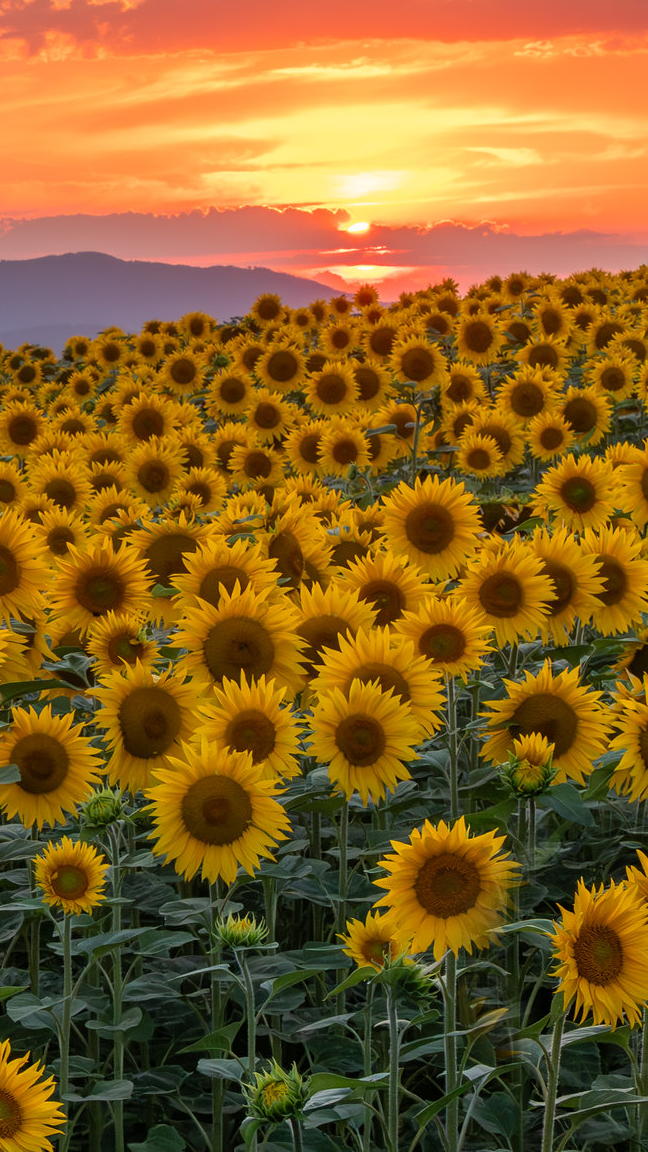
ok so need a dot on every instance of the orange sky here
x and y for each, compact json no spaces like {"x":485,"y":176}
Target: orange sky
{"x":531,"y":117}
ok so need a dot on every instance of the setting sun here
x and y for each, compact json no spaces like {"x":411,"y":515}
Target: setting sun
{"x":361,"y":226}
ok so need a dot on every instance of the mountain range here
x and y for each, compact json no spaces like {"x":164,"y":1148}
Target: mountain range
{"x":47,"y":299}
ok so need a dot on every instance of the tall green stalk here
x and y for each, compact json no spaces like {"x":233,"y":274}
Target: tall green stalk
{"x":117,"y":981}
{"x":64,"y":1025}
{"x":368,"y":1064}
{"x":450,"y":1048}
{"x":453,"y":746}
{"x":552,"y":1085}
{"x":394,"y":1070}
{"x":216,"y":1001}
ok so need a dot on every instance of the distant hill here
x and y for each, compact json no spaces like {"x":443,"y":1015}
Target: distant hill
{"x":47,"y":299}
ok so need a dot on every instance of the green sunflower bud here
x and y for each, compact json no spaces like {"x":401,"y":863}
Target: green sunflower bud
{"x":241,"y":931}
{"x":276,"y":1094}
{"x":104,"y":807}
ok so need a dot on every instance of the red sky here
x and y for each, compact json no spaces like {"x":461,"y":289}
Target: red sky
{"x":530,"y":117}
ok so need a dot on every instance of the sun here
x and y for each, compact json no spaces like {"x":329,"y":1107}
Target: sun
{"x":360,"y":226}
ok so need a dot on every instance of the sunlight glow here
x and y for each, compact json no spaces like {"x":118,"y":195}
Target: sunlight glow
{"x":361,"y":226}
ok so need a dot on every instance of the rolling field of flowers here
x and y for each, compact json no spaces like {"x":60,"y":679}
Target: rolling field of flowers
{"x":324,"y":727}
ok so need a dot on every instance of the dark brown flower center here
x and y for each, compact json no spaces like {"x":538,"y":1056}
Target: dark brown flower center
{"x":615,"y":581}
{"x":69,"y":882}
{"x":223,"y":578}
{"x":442,"y":643}
{"x":331,"y":388}
{"x":216,"y":810}
{"x":549,"y":716}
{"x":447,"y":885}
{"x":153,"y":475}
{"x":183,"y":371}
{"x":22,"y":429}
{"x":147,"y":422}
{"x":238,"y":646}
{"x":285,"y":550}
{"x":386,"y":598}
{"x":368,"y":382}
{"x":282,"y":366}
{"x":251,"y":731}
{"x":578,"y":494}
{"x":565,"y":585}
{"x":387,"y":677}
{"x":580,"y":414}
{"x":11,"y":1117}
{"x":502,"y":595}
{"x":430,"y":528}
{"x":319,"y":633}
{"x":232,"y":389}
{"x":43,"y":763}
{"x":361,"y":739}
{"x":99,"y":589}
{"x":527,"y":399}
{"x":150,"y":720}
{"x":418,"y":364}
{"x":551,"y":437}
{"x":126,"y":647}
{"x":478,"y":336}
{"x":61,"y":492}
{"x":165,"y":556}
{"x":9,"y":571}
{"x":598,"y":954}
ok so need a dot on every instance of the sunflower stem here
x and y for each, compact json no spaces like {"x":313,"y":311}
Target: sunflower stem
{"x":33,"y":957}
{"x":552,"y":1085}
{"x":450,"y":1048}
{"x":642,"y":1080}
{"x":295,"y":1125}
{"x":368,"y":1065}
{"x":475,"y":693}
{"x":218,"y":1086}
{"x":117,"y":982}
{"x":250,"y":1010}
{"x":511,"y":666}
{"x":64,"y":1027}
{"x":394,"y":1070}
{"x":531,"y":834}
{"x":453,"y":747}
{"x":343,"y":834}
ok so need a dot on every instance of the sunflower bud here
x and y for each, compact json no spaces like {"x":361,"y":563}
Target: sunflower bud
{"x":529,"y":771}
{"x":277,"y":1095}
{"x":104,"y":807}
{"x":241,"y":931}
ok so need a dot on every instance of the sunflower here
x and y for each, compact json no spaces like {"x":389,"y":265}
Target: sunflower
{"x":326,"y":615}
{"x":633,"y":474}
{"x":545,"y":352}
{"x":213,"y":810}
{"x":614,"y":375}
{"x":588,"y":413}
{"x":601,"y":949}
{"x":72,"y":876}
{"x":110,"y":504}
{"x":577,"y":582}
{"x":183,"y":372}
{"x":505,"y":431}
{"x":630,"y":776}
{"x":342,"y":444}
{"x":479,"y":455}
{"x":150,"y":414}
{"x":382,"y":447}
{"x":91,"y":583}
{"x":508,"y":586}
{"x":580,"y":491}
{"x":415,"y":360}
{"x":24,"y":573}
{"x":282,"y":366}
{"x":253,"y":718}
{"x":145,"y":716}
{"x":435,"y":525}
{"x":255,"y":464}
{"x":248,"y":634}
{"x":269,"y":416}
{"x":166,"y":546}
{"x":266,"y":309}
{"x":638,"y":877}
{"x":154,"y":468}
{"x":379,"y":341}
{"x":406,"y":419}
{"x":389,"y":585}
{"x":447,"y":888}
{"x":206,"y":485}
{"x":462,"y":384}
{"x":339,"y":337}
{"x":303,"y":447}
{"x":73,"y":422}
{"x":479,"y":338}
{"x":108,"y":349}
{"x":58,"y":766}
{"x":624,"y":594}
{"x":448,"y":633}
{"x":28,"y":1117}
{"x":391,"y":661}
{"x":59,"y":477}
{"x":229,"y":392}
{"x":21,"y":422}
{"x":604,"y":327}
{"x":526,"y":393}
{"x":549,"y":435}
{"x":102,"y":476}
{"x":58,"y":529}
{"x":217,"y":566}
{"x":333,"y":390}
{"x":364,"y":736}
{"x":552,"y":317}
{"x":374,"y":386}
{"x":568,"y":714}
{"x":294,"y":538}
{"x":117,"y":639}
{"x":373,"y":941}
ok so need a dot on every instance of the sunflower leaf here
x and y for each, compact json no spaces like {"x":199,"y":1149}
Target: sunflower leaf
{"x":568,"y":802}
{"x":9,"y":774}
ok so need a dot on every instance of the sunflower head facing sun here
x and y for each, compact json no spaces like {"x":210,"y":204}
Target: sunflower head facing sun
{"x":28,"y":1115}
{"x":71,"y":876}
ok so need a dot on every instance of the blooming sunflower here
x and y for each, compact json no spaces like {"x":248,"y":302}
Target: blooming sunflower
{"x":582,"y":491}
{"x":302,"y":447}
{"x":448,"y":633}
{"x":255,"y":464}
{"x":117,"y":639}
{"x":479,"y":455}
{"x":150,"y":414}
{"x":213,"y":810}
{"x":204,"y":485}
{"x":389,"y":584}
{"x":545,"y":352}
{"x":72,"y":876}
{"x":333,"y":390}
{"x":58,"y":766}
{"x":282,"y":366}
{"x":508,"y":586}
{"x":630,"y":776}
{"x":577,"y":583}
{"x":505,"y":431}
{"x":217,"y":565}
{"x":24,"y":573}
{"x":614,"y":374}
{"x":549,"y":435}
{"x":435,"y":524}
{"x":558,"y":707}
{"x":145,"y":717}
{"x":253,"y":718}
{"x":415,"y":360}
{"x":601,"y":950}
{"x":28,"y":1115}
{"x":326,"y":614}
{"x":624,"y":593}
{"x":479,"y":338}
{"x":61,"y":478}
{"x":269,"y":415}
{"x":462,"y":384}
{"x":374,"y":386}
{"x":183,"y":372}
{"x":633,"y":474}
{"x":91,"y":583}
{"x":58,"y":529}
{"x":588,"y":413}
{"x":526,"y":393}
{"x":364,"y":736}
{"x":248,"y":634}
{"x":374,"y":940}
{"x":230,"y":392}
{"x":154,"y":468}
{"x":342,"y":444}
{"x":391,"y":661}
{"x":21,"y":422}
{"x":447,"y":888}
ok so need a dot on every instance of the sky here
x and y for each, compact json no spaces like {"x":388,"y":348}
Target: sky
{"x":370,"y":141}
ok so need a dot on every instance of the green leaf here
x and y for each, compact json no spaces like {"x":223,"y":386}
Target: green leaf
{"x":161,"y":1138}
{"x":219,"y":1041}
{"x":104,"y":942}
{"x":423,"y":1118}
{"x":128,"y":1020}
{"x":161,"y":590}
{"x":222,"y":1069}
{"x":568,"y":802}
{"x":287,"y":980}
{"x":327,"y":1082}
{"x":357,"y":977}
{"x":104,"y":1090}
{"x":9,"y":774}
{"x":12,"y":990}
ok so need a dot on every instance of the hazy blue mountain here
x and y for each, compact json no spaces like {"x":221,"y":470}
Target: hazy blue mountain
{"x":49,"y":298}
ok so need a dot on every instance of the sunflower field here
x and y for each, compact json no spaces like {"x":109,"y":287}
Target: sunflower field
{"x":324,"y":727}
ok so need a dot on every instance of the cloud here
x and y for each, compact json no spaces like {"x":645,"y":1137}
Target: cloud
{"x":315,"y":244}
